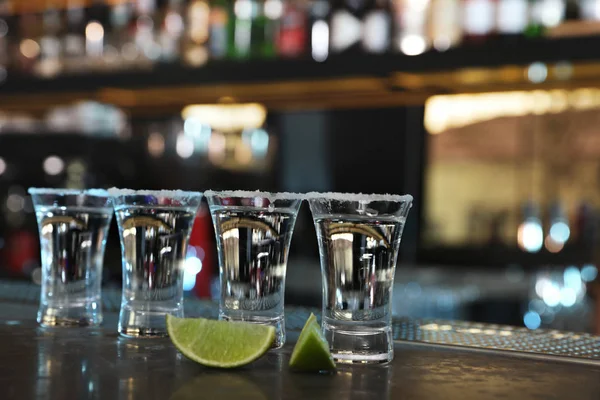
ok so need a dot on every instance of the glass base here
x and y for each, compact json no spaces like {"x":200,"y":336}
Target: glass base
{"x":135,"y":323}
{"x":277,"y":322}
{"x":87,"y":314}
{"x":357,"y":343}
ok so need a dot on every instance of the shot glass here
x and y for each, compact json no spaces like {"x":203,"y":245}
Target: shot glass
{"x":359,"y":237}
{"x":154,"y":228}
{"x":73,"y":225}
{"x":254,"y":232}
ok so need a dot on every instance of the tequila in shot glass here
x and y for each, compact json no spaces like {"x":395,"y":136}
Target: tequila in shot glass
{"x":154,"y":228}
{"x":73,"y":225}
{"x":254,"y":232}
{"x":359,"y":237}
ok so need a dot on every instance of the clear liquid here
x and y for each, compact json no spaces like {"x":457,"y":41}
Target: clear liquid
{"x":72,"y":248}
{"x":253,"y":250}
{"x":153,"y":244}
{"x":358,"y":262}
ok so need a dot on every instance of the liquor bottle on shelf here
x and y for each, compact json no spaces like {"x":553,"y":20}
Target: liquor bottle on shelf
{"x":253,"y":31}
{"x":27,"y":51}
{"x":117,"y":36}
{"x":319,"y":30}
{"x":144,"y":33}
{"x":73,"y":38}
{"x":377,"y":27}
{"x":171,"y":31}
{"x":512,"y":17}
{"x":245,"y":13}
{"x":445,"y":24}
{"x":5,"y":22}
{"x":479,"y":19}
{"x":293,"y":29}
{"x":346,"y":25}
{"x":50,"y":63}
{"x":535,"y":28}
{"x":410,"y":20}
{"x":545,"y":14}
{"x":573,"y":10}
{"x":220,"y":28}
{"x":95,"y":35}
{"x":590,"y":10}
{"x":270,"y":13}
{"x":195,"y":48}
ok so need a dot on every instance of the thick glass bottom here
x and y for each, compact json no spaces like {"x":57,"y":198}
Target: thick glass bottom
{"x":359,"y":343}
{"x":72,"y":315}
{"x":146,"y":323}
{"x":277,"y":322}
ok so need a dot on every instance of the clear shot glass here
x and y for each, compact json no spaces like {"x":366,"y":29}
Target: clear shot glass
{"x":72,"y":225}
{"x":254,"y":232}
{"x":154,"y":228}
{"x":359,"y":237}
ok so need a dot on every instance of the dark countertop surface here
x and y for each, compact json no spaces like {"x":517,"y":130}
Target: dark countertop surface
{"x":96,"y":364}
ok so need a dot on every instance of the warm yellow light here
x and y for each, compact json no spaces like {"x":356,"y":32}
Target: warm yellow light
{"x":94,"y":31}
{"x":227,"y":117}
{"x":455,"y":111}
{"x":29,"y":48}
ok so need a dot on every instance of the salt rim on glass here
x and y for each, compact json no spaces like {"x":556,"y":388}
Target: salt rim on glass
{"x":67,"y":192}
{"x":241,"y":194}
{"x":117,"y":192}
{"x":358,"y":197}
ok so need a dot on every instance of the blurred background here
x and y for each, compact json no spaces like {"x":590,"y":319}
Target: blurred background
{"x":487,"y":111}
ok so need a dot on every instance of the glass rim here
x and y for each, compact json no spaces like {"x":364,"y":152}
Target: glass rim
{"x":173,"y":194}
{"x":358,"y":197}
{"x":67,"y":192}
{"x":247,"y":194}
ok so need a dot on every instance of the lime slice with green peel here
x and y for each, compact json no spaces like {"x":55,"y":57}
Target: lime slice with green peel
{"x":311,"y":352}
{"x":220,"y":344}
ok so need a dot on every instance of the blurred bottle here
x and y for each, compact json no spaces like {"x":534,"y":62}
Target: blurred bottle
{"x":545,"y":14}
{"x":49,"y":63}
{"x":534,"y":28}
{"x":346,"y":25}
{"x":446,"y":24}
{"x":319,"y":30}
{"x":590,"y":10}
{"x":254,"y":30}
{"x":410,"y":19}
{"x":5,"y":22}
{"x":220,"y":28}
{"x":245,"y":12}
{"x":203,"y":240}
{"x":28,"y":48}
{"x":479,"y":19}
{"x":171,"y":31}
{"x":573,"y":10}
{"x":119,"y":41}
{"x":377,"y":27}
{"x":267,"y":28}
{"x":73,"y":38}
{"x":96,"y":16}
{"x":293,"y":29}
{"x":512,"y":17}
{"x":144,"y":33}
{"x":197,"y":33}
{"x":21,"y":252}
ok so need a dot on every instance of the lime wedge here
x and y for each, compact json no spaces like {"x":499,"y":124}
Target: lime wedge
{"x":311,"y":352}
{"x":220,"y":344}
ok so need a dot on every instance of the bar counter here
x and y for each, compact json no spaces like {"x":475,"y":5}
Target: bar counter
{"x":38,"y":363}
